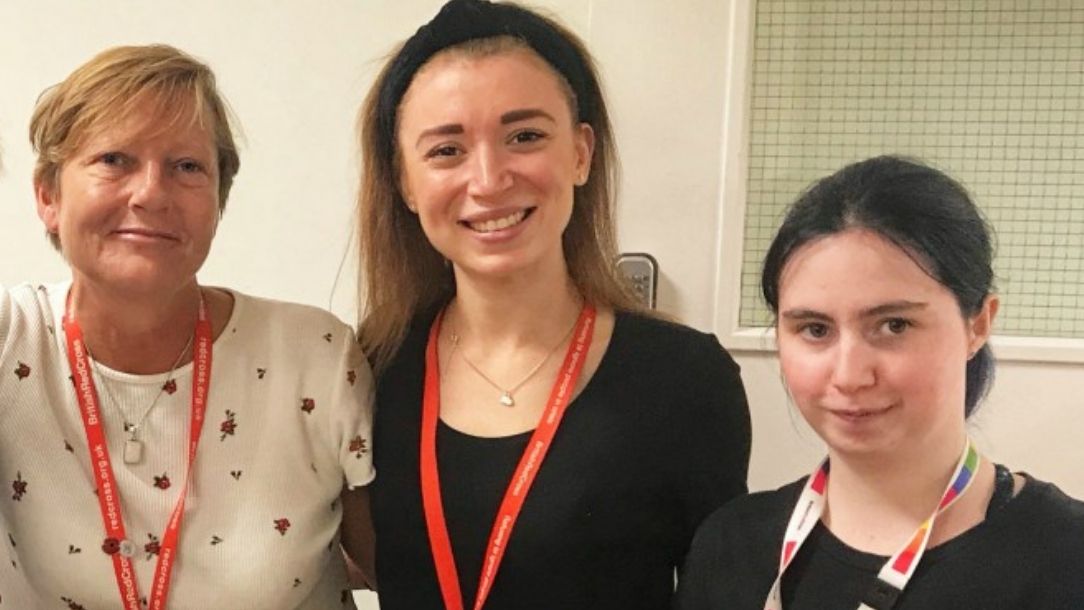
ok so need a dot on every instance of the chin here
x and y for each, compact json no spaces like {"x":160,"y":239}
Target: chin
{"x":147,"y":281}
{"x":502,"y":266}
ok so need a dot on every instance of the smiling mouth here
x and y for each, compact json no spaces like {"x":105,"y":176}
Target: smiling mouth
{"x":146,"y":233}
{"x":860,"y":414}
{"x":498,"y":224}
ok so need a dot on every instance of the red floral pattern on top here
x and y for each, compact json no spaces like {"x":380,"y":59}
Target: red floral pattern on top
{"x":229,"y":426}
{"x":359,"y":446}
{"x":281,"y":525}
{"x":19,"y":487}
{"x":153,"y":547}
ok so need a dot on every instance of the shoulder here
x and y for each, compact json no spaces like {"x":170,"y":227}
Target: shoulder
{"x":27,"y":309}
{"x":266,"y":310}
{"x":1041,"y":526}
{"x":754,"y":517}
{"x":743,"y":536}
{"x":656,"y":338}
{"x":1045,"y":503}
{"x":33,"y":297}
{"x":1039,"y":536}
{"x":411,"y":353}
{"x":294,"y":334}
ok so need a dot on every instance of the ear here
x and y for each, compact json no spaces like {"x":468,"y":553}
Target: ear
{"x":48,"y":204}
{"x":981,"y":325}
{"x":584,"y":141}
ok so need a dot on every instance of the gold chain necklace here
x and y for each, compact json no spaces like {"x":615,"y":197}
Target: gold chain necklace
{"x":508,"y":398}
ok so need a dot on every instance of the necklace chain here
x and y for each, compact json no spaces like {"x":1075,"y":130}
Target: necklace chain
{"x":129,"y":427}
{"x":508,"y":398}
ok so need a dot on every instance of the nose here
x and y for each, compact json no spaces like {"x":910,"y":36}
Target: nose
{"x":149,"y":187}
{"x":855,"y":365}
{"x":489,"y":172}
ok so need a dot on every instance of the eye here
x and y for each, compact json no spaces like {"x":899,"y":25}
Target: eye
{"x":189,"y":166}
{"x":443,"y":151}
{"x":112,"y":159}
{"x":527,"y":136}
{"x":814,"y":330}
{"x":191,"y":172}
{"x":896,"y":326}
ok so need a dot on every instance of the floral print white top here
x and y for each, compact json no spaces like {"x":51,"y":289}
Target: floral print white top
{"x":287,"y":426}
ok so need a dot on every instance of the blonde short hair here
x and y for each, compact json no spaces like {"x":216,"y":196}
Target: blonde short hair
{"x":109,"y":87}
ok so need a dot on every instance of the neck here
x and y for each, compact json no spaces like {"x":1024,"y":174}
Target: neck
{"x":514,"y":312}
{"x":874,"y":503}
{"x":140,"y":334}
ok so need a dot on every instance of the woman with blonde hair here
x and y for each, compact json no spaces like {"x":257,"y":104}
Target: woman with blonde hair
{"x":165,"y":443}
{"x":543,"y":442}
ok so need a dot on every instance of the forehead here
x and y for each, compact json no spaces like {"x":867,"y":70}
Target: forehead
{"x":854,"y":270}
{"x":150,"y":117}
{"x":457,"y":85}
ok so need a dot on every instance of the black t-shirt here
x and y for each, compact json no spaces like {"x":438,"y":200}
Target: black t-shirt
{"x":1026,"y":555}
{"x":655,"y":442}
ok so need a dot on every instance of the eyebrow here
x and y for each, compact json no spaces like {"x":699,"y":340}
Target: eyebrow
{"x":451,"y":129}
{"x":512,"y":116}
{"x":891,"y":307}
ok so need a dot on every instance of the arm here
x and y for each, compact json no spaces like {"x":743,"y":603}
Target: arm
{"x":358,"y":538}
{"x":716,"y":433}
{"x":351,"y":427}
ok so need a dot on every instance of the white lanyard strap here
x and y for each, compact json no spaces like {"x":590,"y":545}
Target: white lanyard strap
{"x":899,"y":568}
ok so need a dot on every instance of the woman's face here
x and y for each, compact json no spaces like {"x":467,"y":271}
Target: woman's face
{"x":136,"y":206}
{"x":489,"y":160}
{"x":874,"y":350}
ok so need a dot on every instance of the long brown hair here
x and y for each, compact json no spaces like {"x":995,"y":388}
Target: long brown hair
{"x":402,"y":274}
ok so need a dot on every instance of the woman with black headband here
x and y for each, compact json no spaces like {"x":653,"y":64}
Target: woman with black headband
{"x":543,"y":443}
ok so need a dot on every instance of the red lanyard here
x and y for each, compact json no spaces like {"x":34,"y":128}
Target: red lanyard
{"x":116,"y":543}
{"x":522,"y":479}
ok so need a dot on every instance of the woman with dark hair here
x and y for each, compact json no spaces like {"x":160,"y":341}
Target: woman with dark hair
{"x":881,"y":282}
{"x":508,"y":352}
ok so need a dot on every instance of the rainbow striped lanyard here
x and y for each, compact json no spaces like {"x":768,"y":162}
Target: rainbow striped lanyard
{"x":895,"y":574}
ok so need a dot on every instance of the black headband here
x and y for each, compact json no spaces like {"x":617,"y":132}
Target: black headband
{"x":462,"y":20}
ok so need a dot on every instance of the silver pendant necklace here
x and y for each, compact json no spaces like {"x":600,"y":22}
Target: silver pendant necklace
{"x":507,"y":397}
{"x":133,"y":446}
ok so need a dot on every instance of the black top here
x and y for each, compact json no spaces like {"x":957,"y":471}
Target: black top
{"x":655,"y":442}
{"x":1028,"y":554}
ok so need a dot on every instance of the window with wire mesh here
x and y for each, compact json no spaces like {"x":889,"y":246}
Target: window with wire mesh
{"x":990,"y":91}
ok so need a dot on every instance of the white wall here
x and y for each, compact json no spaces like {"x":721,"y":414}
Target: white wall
{"x":295,"y":73}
